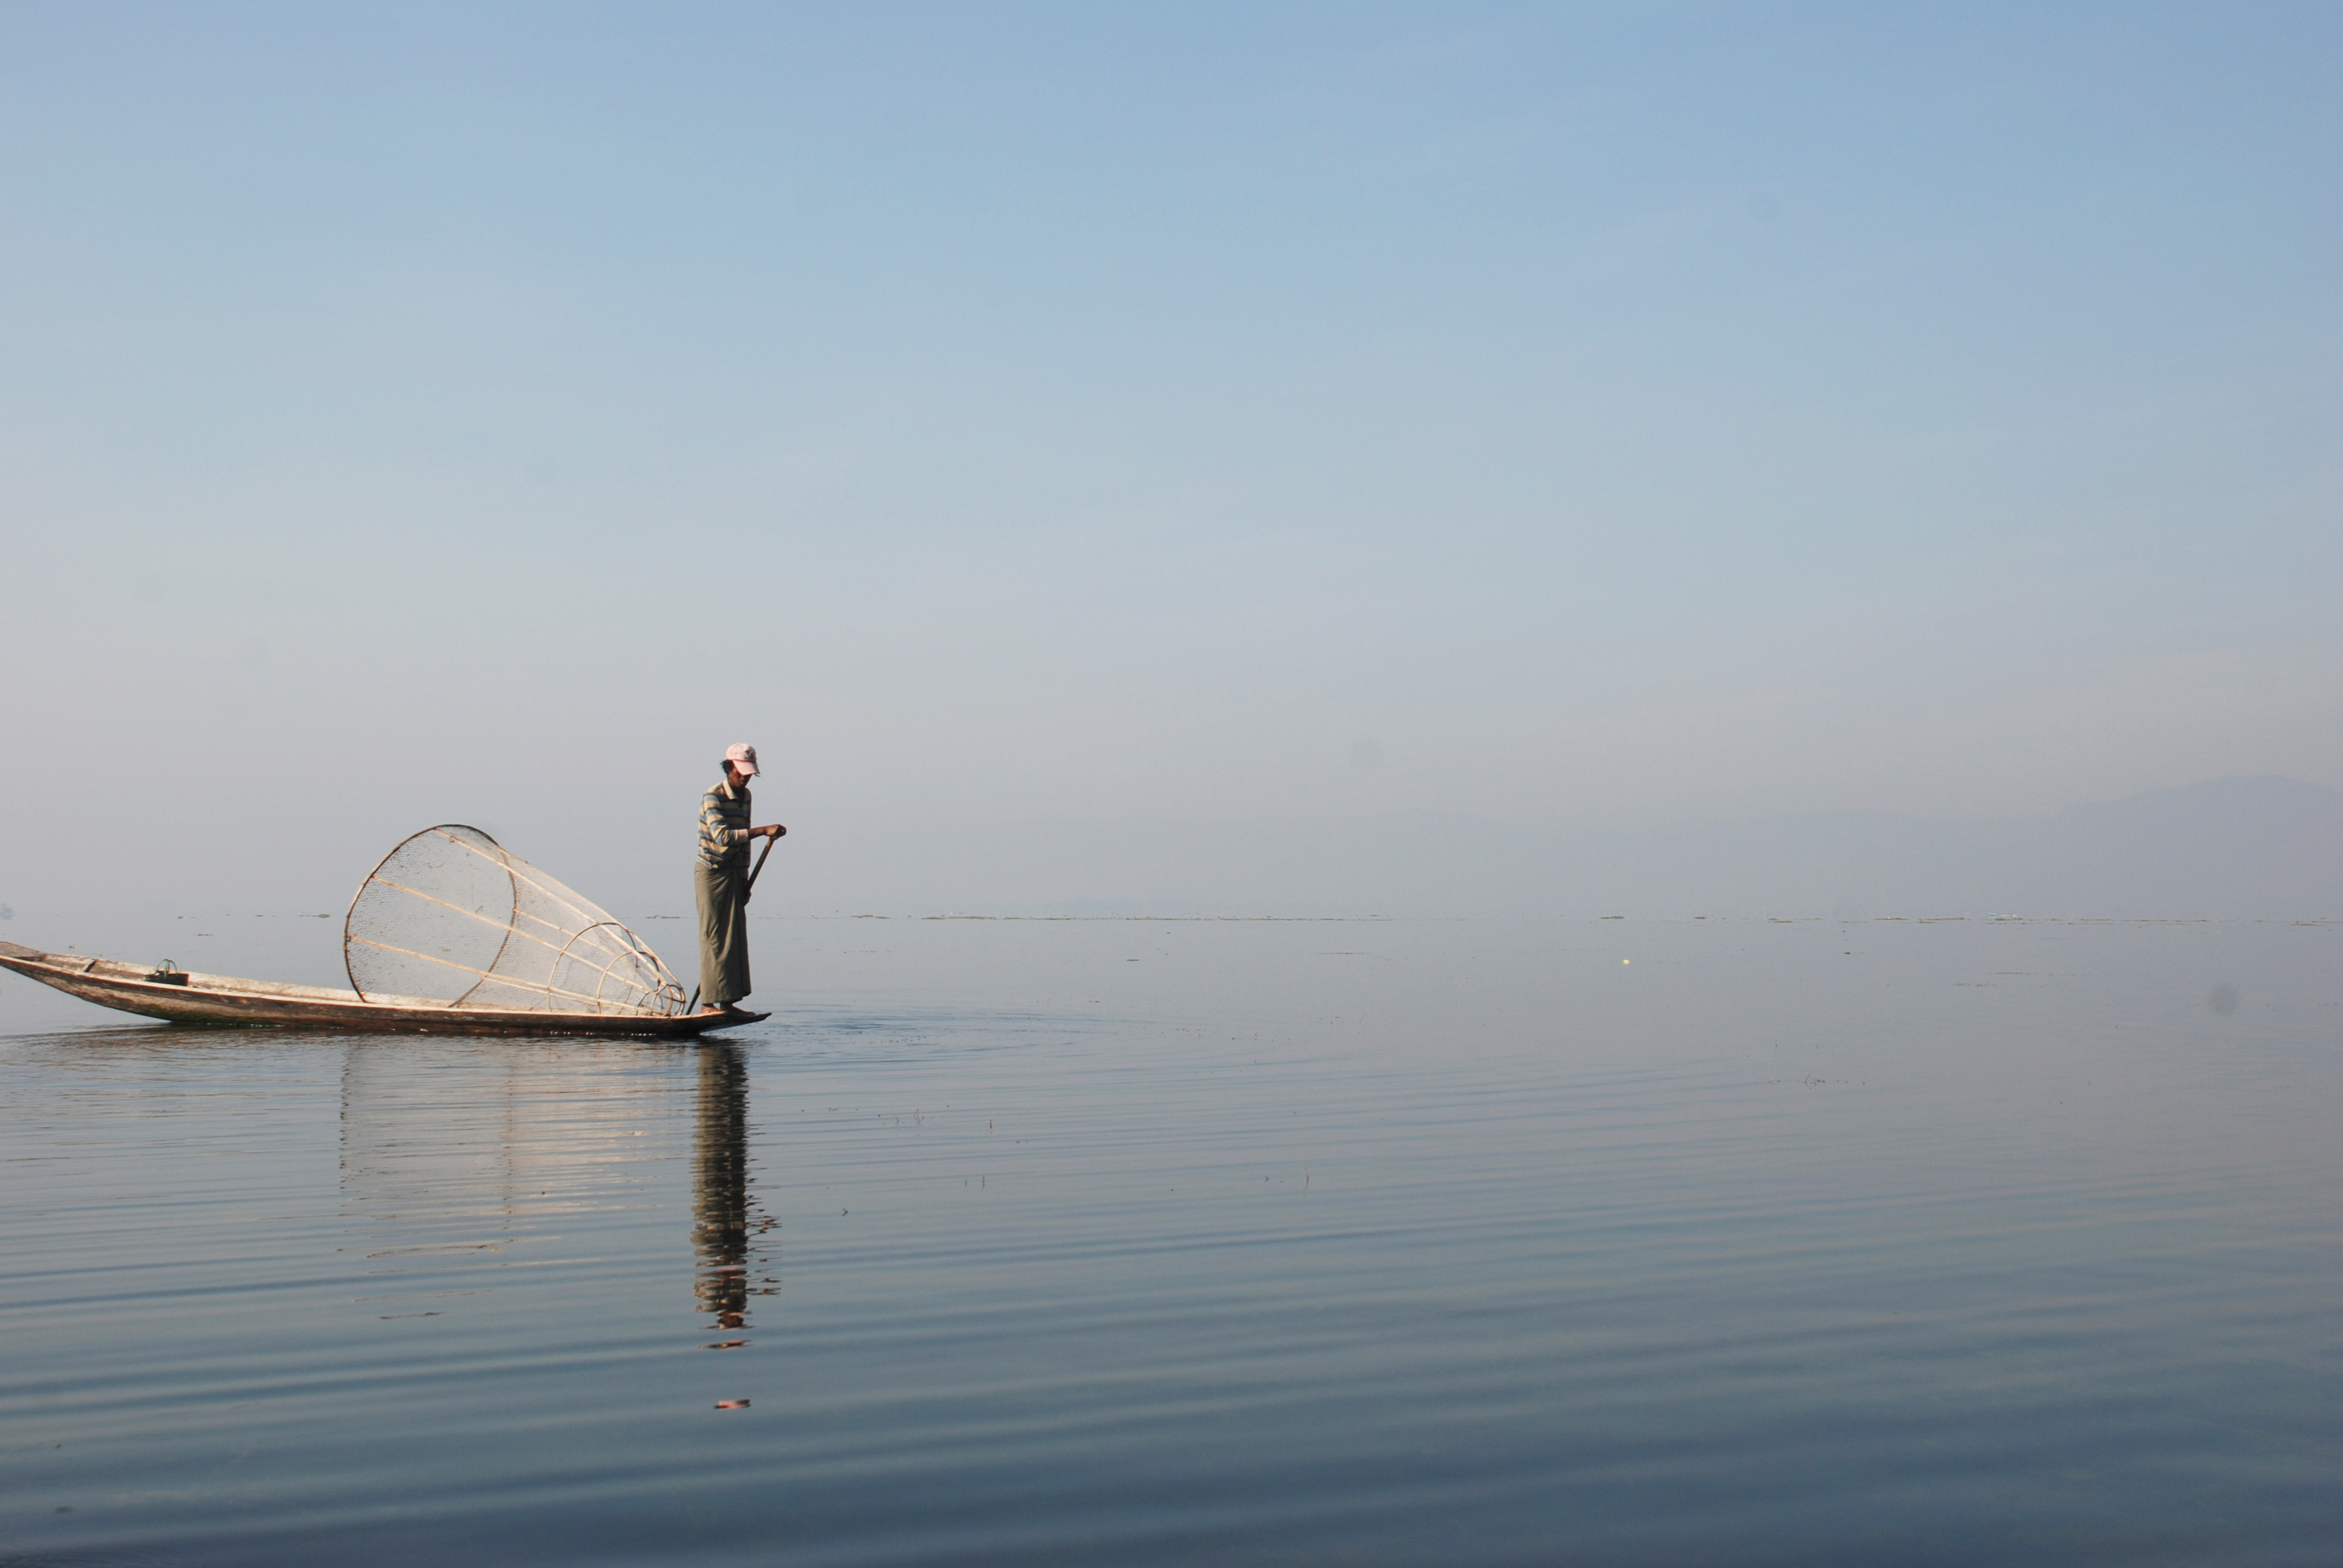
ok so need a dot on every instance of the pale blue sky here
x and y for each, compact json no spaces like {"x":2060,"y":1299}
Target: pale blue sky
{"x":1034,"y":417}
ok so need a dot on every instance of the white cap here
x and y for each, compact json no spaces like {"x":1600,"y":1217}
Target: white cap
{"x":743,"y":757}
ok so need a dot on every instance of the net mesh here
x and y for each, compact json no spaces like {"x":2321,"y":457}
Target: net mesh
{"x":451,"y":917}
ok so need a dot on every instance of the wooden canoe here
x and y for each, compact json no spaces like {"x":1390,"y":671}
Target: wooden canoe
{"x":187,"y":998}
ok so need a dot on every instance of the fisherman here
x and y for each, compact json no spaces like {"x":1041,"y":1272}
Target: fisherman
{"x":720,"y":878}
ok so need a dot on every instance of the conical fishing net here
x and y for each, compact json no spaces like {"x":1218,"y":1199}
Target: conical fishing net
{"x":450,"y":916}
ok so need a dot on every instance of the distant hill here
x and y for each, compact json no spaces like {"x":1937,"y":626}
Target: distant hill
{"x":2229,"y":848}
{"x":2262,"y":848}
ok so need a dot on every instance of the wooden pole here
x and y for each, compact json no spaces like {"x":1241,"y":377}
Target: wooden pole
{"x":759,"y":868}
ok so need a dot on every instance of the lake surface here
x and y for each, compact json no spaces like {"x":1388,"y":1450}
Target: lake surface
{"x":1165,"y":1241}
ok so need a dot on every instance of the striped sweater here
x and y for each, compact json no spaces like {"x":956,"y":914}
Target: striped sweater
{"x":724,"y":826}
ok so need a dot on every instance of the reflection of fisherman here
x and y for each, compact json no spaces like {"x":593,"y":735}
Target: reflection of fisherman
{"x":720,"y":878}
{"x":719,"y":1186}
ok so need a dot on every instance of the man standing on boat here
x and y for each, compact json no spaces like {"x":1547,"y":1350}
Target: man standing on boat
{"x":721,"y":878}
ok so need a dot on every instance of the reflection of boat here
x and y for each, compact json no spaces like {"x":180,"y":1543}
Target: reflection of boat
{"x":184,"y":998}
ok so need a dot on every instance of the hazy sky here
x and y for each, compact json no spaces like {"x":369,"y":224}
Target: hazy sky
{"x":1012,"y":419}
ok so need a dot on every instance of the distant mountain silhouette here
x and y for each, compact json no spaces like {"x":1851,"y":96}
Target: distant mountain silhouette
{"x":2229,"y":848}
{"x":2262,"y":848}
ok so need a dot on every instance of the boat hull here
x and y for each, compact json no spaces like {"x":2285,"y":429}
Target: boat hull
{"x":218,"y":999}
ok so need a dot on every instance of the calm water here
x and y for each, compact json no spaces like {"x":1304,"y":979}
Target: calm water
{"x":1140,"y":1242}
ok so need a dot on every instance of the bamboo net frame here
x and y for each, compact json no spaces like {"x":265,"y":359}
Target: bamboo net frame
{"x":451,"y":916}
